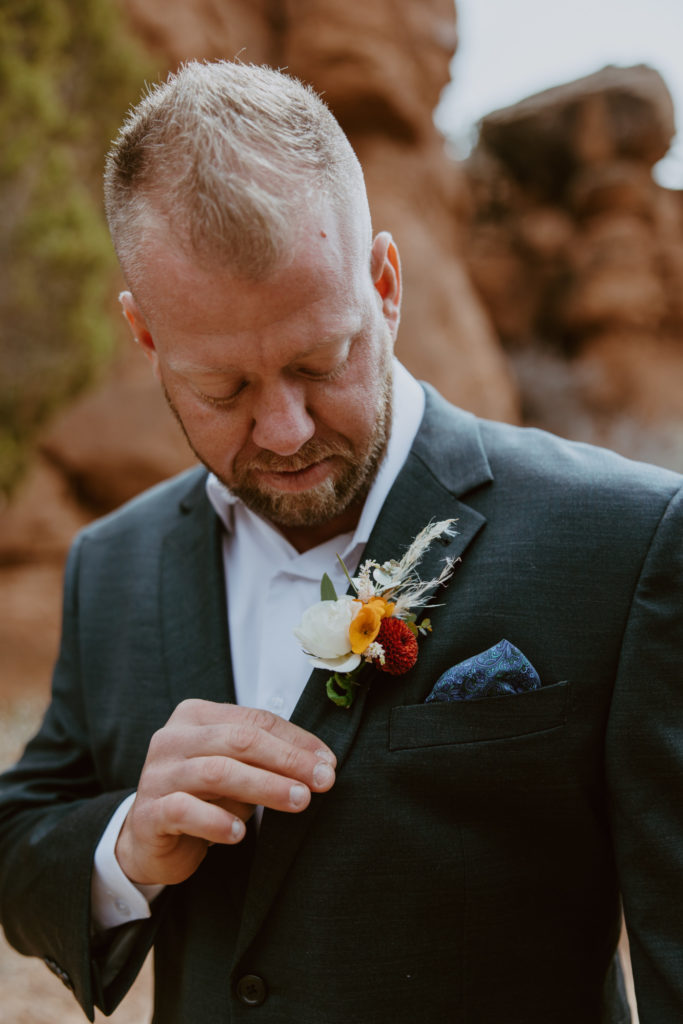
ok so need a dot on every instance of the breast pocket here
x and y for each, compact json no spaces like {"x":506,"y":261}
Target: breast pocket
{"x":477,"y":721}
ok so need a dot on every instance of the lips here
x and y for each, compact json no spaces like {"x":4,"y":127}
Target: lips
{"x":294,"y":479}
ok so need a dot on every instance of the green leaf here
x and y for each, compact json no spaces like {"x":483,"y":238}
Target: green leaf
{"x":341,"y":690}
{"x":327,"y":591}
{"x":346,"y":572}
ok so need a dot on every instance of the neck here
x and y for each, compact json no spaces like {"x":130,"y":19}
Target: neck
{"x":303,"y":538}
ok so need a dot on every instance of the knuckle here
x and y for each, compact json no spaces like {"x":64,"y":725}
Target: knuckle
{"x":268,"y":720}
{"x":188,"y":709}
{"x":176,"y":808}
{"x":158,"y":743}
{"x":242,"y":737}
{"x":214,"y":771}
{"x":151,"y":782}
{"x":262,"y":719}
{"x":290,"y":761}
{"x":274,"y":790}
{"x":165,"y":745}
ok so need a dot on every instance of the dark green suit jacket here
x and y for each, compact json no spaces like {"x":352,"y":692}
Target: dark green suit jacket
{"x":469,"y":863}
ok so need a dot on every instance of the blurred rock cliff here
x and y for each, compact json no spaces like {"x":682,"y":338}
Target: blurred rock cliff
{"x":577,"y":255}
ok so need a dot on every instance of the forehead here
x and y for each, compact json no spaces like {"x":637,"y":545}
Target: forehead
{"x":324,"y":286}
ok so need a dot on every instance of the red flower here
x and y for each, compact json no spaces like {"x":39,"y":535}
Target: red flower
{"x":400,"y":647}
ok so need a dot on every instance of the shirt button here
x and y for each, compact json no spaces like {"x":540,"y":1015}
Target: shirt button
{"x":276,"y":702}
{"x":251,"y":990}
{"x":122,"y":908}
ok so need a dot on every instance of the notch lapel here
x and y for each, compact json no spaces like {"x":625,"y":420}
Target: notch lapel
{"x":447,"y":458}
{"x":193,"y":606}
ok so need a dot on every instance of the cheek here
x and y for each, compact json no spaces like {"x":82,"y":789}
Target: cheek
{"x":350,"y":411}
{"x":216,"y":435}
{"x":223,"y":431}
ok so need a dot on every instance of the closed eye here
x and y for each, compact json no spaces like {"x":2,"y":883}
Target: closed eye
{"x":328,"y":363}
{"x":323,"y":375}
{"x":222,"y":401}
{"x":326,"y":373}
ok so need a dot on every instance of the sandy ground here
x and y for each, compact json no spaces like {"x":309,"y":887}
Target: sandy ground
{"x":30,"y":994}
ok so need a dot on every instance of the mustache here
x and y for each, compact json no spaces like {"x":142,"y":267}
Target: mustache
{"x":312,"y":451}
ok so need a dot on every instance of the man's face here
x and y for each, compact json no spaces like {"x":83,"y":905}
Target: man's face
{"x":282,"y":386}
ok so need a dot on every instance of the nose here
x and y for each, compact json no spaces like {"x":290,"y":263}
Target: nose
{"x":282,"y":423}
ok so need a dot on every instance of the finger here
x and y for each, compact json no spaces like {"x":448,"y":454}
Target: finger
{"x":219,"y":779}
{"x":241,"y":741}
{"x":167,"y":840}
{"x":207,"y":713}
{"x":180,"y":814}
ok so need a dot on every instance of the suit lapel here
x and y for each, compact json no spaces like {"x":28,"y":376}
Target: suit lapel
{"x":193,"y":606}
{"x":447,"y":458}
{"x":282,"y":834}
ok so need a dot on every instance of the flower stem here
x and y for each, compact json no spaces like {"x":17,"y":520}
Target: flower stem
{"x":340,"y":689}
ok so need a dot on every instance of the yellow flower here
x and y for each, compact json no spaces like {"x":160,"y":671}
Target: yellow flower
{"x":365,"y":627}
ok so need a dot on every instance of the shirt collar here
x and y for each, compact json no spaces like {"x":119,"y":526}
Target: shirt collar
{"x":408,"y":403}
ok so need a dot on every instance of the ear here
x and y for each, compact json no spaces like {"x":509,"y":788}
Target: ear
{"x":139,"y":329}
{"x":385,"y":268}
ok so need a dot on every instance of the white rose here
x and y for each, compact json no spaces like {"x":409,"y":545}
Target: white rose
{"x":324,"y":634}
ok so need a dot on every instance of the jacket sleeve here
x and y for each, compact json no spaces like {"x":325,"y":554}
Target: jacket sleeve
{"x":645,"y":773}
{"x":52,"y":814}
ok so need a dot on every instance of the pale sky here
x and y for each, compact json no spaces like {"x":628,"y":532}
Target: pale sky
{"x":512,"y":48}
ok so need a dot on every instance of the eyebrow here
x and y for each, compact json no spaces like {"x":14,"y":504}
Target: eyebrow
{"x":328,"y":341}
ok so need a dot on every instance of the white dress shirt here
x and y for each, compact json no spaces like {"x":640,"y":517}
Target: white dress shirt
{"x":269,"y":585}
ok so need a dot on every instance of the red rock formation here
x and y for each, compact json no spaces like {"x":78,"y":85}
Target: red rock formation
{"x":578,"y":256}
{"x":381,"y":67}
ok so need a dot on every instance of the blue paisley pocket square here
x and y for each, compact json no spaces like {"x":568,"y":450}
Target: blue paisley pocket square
{"x":500,"y":670}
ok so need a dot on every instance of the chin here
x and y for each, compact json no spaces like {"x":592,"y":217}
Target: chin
{"x":305,"y":508}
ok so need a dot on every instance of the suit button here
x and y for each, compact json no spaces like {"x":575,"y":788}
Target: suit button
{"x":251,"y":990}
{"x":59,"y":971}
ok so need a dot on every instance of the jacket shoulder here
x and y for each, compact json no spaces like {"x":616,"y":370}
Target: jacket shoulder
{"x":524,"y":463}
{"x":544,"y":460}
{"x":153,"y":511}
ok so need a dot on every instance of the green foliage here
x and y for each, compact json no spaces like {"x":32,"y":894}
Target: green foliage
{"x":68,"y":72}
{"x":327,"y":591}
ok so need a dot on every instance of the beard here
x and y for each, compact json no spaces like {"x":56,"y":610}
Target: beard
{"x":345,"y":486}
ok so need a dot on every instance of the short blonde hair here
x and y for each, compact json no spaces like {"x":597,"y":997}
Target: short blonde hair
{"x":229,"y":155}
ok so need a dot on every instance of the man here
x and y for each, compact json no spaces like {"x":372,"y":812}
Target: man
{"x":411,"y":859}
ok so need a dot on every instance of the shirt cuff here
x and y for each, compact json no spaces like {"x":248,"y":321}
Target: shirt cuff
{"x":114,"y":899}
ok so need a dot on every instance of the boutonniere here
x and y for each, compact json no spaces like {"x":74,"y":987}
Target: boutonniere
{"x":378,"y":622}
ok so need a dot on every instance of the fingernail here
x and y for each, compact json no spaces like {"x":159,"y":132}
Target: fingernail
{"x":323,"y":774}
{"x":237,"y":829}
{"x":327,"y":756}
{"x":298,"y":795}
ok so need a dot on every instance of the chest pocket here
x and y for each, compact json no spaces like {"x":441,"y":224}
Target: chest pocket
{"x":477,"y":721}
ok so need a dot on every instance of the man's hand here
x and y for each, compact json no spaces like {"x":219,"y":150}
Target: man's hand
{"x":205,"y":772}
